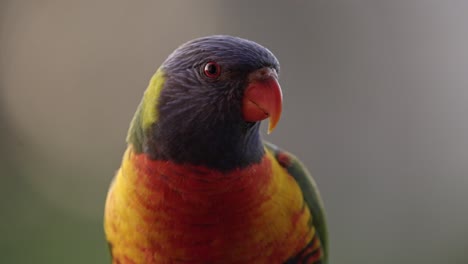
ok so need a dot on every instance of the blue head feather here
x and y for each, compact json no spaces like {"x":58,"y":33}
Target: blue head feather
{"x":200,"y":120}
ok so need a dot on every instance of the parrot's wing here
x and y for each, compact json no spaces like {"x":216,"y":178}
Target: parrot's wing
{"x":309,"y":190}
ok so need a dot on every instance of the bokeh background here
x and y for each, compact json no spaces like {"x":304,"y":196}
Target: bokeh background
{"x":376,"y":105}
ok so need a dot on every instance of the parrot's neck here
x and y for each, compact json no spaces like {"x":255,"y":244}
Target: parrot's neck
{"x":218,"y":146}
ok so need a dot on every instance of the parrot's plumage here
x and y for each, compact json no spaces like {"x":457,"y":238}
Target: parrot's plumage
{"x":197,"y":184}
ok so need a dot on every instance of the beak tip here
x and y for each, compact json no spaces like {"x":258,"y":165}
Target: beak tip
{"x":272,"y":125}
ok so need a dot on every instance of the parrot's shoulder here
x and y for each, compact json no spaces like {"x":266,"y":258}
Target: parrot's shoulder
{"x":308,"y":187}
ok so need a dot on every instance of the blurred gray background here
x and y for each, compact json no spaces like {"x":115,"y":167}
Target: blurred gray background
{"x":375,"y":104}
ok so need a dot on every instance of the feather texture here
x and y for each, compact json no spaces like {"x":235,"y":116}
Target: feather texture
{"x":197,"y":184}
{"x":161,"y":212}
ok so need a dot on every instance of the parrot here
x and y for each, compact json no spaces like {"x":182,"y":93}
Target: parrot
{"x":197,"y":182}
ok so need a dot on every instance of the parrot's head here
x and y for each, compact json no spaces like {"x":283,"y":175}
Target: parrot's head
{"x":205,"y":103}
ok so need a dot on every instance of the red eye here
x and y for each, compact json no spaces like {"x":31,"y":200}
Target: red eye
{"x":212,"y":70}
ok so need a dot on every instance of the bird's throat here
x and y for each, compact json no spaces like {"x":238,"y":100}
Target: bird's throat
{"x":221,"y":147}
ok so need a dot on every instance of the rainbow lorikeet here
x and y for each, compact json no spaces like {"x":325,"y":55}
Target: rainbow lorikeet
{"x":197,"y":184}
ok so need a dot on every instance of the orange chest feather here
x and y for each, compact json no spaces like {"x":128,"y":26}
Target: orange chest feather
{"x":160,"y":212}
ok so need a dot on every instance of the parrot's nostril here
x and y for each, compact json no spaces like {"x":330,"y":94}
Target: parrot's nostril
{"x":263,"y":73}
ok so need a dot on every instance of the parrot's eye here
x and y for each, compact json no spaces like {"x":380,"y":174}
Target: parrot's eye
{"x":212,"y":70}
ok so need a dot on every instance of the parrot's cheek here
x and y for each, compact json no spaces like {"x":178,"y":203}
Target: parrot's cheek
{"x":263,"y":99}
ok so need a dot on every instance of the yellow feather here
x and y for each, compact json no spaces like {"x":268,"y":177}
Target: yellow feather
{"x":128,"y":232}
{"x":150,"y":99}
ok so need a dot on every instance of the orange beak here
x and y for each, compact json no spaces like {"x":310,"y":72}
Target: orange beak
{"x":263,"y":98}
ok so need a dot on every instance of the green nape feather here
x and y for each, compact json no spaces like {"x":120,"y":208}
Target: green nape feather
{"x":310,"y":191}
{"x":147,"y":113}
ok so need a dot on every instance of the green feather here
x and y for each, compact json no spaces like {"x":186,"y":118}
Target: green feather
{"x":146,"y":114}
{"x":311,"y":195}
